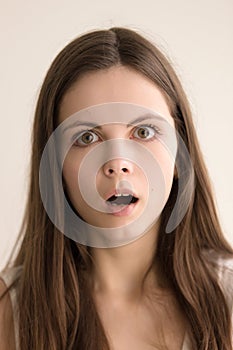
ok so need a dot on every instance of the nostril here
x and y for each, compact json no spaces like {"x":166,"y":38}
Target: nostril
{"x":117,"y":167}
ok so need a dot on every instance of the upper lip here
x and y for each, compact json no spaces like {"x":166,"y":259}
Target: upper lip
{"x":120,"y":191}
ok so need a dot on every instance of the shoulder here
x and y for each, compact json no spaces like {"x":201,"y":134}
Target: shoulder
{"x":223,"y":266}
{"x":7,"y":335}
{"x":223,"y":263}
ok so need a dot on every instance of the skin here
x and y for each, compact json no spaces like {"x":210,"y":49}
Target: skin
{"x":117,"y":272}
{"x":131,"y":317}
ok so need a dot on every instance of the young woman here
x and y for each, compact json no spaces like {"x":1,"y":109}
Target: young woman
{"x":156,"y":290}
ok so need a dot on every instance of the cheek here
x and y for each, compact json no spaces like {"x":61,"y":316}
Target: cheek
{"x":166,"y":164}
{"x":70,"y":175}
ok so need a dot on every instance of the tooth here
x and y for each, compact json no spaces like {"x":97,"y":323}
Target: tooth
{"x":123,"y":194}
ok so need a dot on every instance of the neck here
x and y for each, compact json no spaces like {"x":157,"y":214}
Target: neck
{"x":123,"y":271}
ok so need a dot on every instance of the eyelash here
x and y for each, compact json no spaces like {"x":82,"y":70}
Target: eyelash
{"x":82,"y":132}
{"x":152,"y":126}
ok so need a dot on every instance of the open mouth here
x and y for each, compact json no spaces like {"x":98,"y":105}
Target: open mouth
{"x":122,"y":199}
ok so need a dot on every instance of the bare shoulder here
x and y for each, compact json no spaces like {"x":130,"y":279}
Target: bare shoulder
{"x":7,"y":335}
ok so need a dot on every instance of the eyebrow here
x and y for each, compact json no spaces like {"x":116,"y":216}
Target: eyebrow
{"x":79,"y":123}
{"x":133,"y":122}
{"x":145,"y":117}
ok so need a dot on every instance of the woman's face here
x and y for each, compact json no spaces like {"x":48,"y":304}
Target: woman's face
{"x":117,"y":84}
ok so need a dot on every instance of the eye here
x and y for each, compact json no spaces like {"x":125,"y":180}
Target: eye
{"x":146,"y":132}
{"x":85,"y":138}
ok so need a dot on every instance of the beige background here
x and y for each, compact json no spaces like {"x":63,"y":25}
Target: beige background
{"x":197,"y":35}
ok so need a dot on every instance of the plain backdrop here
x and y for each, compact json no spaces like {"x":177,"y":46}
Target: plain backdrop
{"x":196,"y":35}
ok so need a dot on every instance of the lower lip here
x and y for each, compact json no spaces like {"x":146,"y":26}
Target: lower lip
{"x":124,"y":211}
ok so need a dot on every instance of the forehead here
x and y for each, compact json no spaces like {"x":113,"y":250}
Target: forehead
{"x":116,"y":84}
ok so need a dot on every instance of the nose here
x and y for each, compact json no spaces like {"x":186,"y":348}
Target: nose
{"x":116,"y":167}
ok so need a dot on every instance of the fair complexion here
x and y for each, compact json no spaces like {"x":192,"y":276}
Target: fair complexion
{"x":118,"y":273}
{"x":133,"y":308}
{"x":131,"y":320}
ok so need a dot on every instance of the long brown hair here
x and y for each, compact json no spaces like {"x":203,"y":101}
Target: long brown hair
{"x":56,"y":309}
